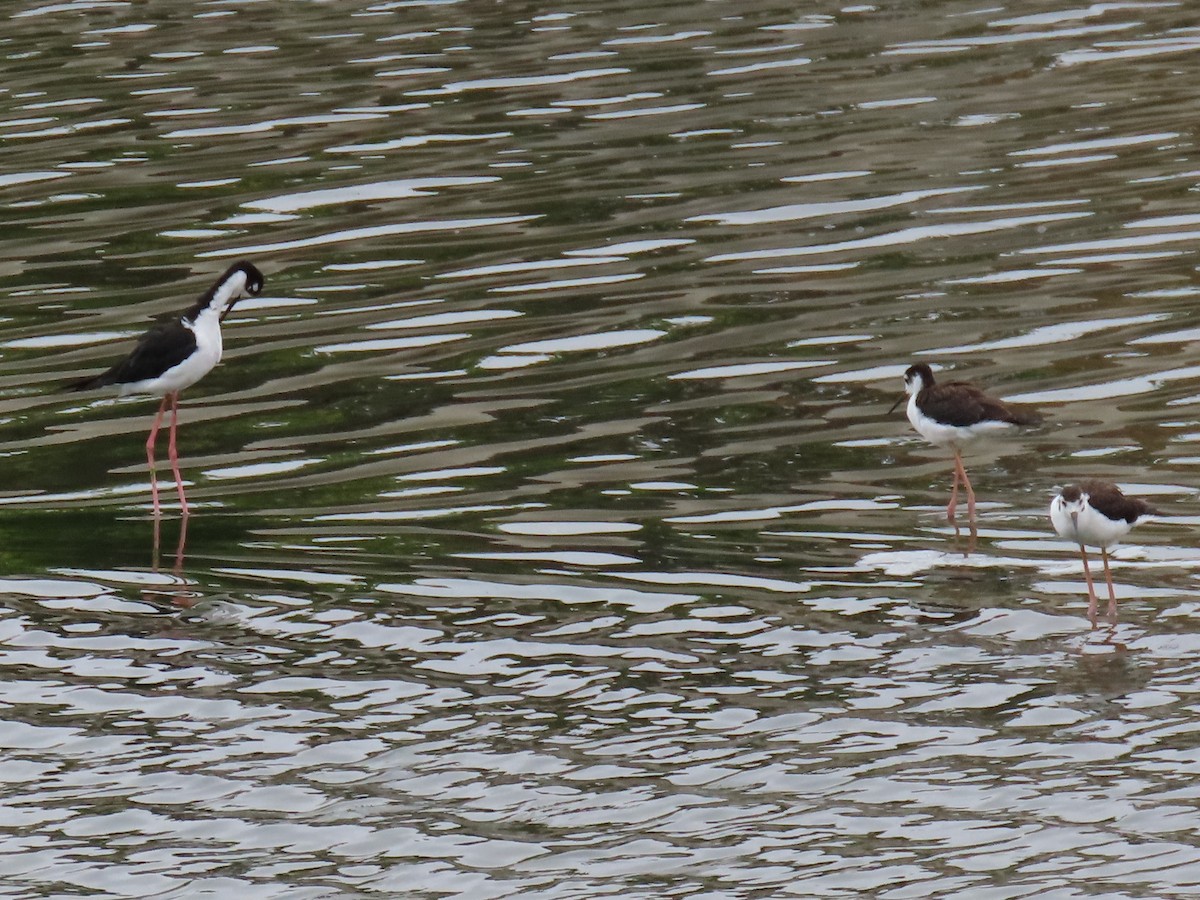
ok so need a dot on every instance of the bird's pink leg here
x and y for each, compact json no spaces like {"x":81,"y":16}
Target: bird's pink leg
{"x":953,"y":494}
{"x":1112,"y":594}
{"x":962,"y":470}
{"x":1087,"y":576}
{"x":174,"y":454}
{"x":150,"y":442}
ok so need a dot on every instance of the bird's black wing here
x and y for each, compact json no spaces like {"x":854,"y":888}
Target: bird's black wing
{"x":961,"y":404}
{"x":165,"y":345}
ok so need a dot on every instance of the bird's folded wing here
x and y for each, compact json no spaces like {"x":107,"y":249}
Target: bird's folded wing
{"x":159,"y":349}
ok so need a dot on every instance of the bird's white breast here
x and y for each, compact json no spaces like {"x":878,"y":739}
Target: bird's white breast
{"x":1091,"y":529}
{"x":1060,"y":518}
{"x":207,"y":329}
{"x":956,"y":436}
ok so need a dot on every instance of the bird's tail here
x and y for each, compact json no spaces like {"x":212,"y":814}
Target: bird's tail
{"x":1025,"y":416}
{"x":85,"y":384}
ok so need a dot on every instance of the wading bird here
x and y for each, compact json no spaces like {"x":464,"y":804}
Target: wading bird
{"x":176,"y":353}
{"x":954,"y":415}
{"x":1096,"y":514}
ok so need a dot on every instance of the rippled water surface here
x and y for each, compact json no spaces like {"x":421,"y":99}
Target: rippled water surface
{"x":551,"y":536}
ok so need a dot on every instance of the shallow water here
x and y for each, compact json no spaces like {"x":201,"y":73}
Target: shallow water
{"x":551,"y":537}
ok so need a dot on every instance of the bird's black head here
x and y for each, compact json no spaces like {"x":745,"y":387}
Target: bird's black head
{"x":916,"y":377}
{"x":253,"y":279}
{"x":240,"y":280}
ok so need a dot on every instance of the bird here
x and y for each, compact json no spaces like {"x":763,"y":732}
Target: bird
{"x":173,"y":355}
{"x":1096,"y":513}
{"x":954,"y":415}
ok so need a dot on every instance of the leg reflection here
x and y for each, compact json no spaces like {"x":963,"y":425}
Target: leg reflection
{"x":157,"y":534}
{"x":180,"y":596}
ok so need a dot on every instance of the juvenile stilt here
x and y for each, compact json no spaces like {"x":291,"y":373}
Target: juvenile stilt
{"x":1096,"y":514}
{"x":955,"y":415}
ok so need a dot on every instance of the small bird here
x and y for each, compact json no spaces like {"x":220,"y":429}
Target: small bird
{"x":176,"y":353}
{"x":956,"y":414}
{"x":1096,"y":514}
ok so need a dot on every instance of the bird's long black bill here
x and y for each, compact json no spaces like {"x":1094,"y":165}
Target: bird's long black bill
{"x":894,"y":405}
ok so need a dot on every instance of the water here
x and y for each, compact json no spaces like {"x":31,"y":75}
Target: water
{"x":551,"y":535}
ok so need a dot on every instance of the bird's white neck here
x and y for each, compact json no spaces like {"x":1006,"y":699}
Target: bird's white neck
{"x":226,"y":292}
{"x":911,"y":408}
{"x":207,"y":328}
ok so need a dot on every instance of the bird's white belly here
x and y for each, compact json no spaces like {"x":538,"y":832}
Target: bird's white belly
{"x":955,"y":436}
{"x":178,"y":377}
{"x":1093,"y":530}
{"x":207,"y":354}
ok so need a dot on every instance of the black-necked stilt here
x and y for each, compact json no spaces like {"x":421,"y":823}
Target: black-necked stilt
{"x":1096,"y":514}
{"x":175,"y":354}
{"x":956,"y":414}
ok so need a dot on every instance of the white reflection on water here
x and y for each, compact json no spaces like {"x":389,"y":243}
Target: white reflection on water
{"x":585,"y":342}
{"x":903,"y":236}
{"x":378,"y":190}
{"x":563,"y":529}
{"x":797,"y":211}
{"x":356,"y":234}
{"x":1048,"y":334}
{"x":746,"y":369}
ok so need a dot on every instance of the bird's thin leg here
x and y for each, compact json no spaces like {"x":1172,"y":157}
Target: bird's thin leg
{"x":966,"y":483}
{"x":1087,"y":576}
{"x":953,"y":493}
{"x":150,"y":442}
{"x":174,"y":454}
{"x":1112,"y":594}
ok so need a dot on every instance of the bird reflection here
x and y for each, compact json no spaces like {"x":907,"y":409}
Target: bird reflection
{"x":972,"y":537}
{"x":180,"y":596}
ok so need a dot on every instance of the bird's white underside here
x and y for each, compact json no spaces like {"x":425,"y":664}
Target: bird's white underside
{"x":207,"y":329}
{"x":953,"y":437}
{"x":1091,"y":529}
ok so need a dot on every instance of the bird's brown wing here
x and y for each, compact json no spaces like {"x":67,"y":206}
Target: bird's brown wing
{"x":1108,"y":499}
{"x":961,"y":404}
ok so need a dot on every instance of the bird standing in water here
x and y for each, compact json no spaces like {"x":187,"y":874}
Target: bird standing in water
{"x":176,"y":353}
{"x":954,"y":415}
{"x":1097,"y":514}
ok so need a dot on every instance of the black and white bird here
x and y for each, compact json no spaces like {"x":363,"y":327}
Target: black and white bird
{"x":954,"y":415}
{"x":1097,"y":514}
{"x":176,"y":353}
